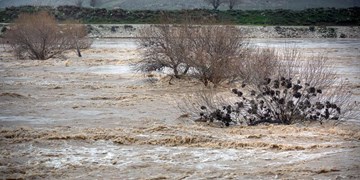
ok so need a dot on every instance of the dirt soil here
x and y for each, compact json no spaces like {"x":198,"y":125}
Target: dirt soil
{"x":94,"y":117}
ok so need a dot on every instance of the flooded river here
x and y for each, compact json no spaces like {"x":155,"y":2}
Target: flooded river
{"x":95,"y":118}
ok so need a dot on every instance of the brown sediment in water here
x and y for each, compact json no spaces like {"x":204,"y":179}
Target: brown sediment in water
{"x":263,"y":137}
{"x":11,"y":96}
{"x":62,"y":120}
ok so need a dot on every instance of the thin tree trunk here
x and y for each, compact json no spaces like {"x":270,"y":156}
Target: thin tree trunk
{"x":176,"y":72}
{"x":78,"y":49}
{"x":186,"y":70}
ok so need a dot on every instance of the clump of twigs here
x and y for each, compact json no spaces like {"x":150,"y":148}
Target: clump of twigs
{"x":293,"y":89}
{"x":276,"y":101}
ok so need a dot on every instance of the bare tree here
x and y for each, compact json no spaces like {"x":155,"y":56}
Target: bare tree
{"x":233,"y":3}
{"x":213,"y":53}
{"x":37,"y":36}
{"x":77,"y":33}
{"x":165,"y":47}
{"x":216,"y":53}
{"x":215,"y":3}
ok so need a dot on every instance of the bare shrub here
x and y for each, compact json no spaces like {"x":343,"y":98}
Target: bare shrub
{"x":78,"y":35}
{"x":215,"y":3}
{"x":296,"y":90}
{"x":212,"y":53}
{"x":288,"y":62}
{"x":164,"y":47}
{"x":203,"y":101}
{"x":233,"y":3}
{"x":277,"y":101}
{"x":216,"y":53}
{"x":258,"y":64}
{"x":39,"y":36}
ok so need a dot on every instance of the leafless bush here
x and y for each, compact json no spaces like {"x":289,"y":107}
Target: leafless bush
{"x":318,"y":72}
{"x":264,"y":63}
{"x":257,"y":64}
{"x":213,"y":53}
{"x":77,"y":33}
{"x":165,"y":47}
{"x":216,"y":53}
{"x":38,"y":36}
{"x":233,"y":3}
{"x":315,"y":71}
{"x":215,"y":3}
{"x":293,"y":89}
{"x":195,"y":103}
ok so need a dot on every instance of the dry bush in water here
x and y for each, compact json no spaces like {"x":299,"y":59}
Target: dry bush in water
{"x":297,"y":90}
{"x":212,"y":53}
{"x":38,"y":36}
{"x":165,"y":47}
{"x":216,"y":53}
{"x":77,"y":33}
{"x":258,"y":64}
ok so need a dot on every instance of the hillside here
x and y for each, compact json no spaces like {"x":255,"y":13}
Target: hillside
{"x":189,"y":4}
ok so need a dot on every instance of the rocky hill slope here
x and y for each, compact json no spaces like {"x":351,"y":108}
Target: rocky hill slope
{"x":188,"y":4}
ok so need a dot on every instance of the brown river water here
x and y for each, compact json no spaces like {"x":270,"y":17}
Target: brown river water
{"x":95,"y":118}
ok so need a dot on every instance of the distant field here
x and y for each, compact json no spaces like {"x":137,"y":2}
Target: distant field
{"x":189,"y":4}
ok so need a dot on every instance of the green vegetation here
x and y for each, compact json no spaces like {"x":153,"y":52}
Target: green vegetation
{"x":315,"y":17}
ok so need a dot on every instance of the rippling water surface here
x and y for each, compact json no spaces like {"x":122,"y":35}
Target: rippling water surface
{"x":94,"y":117}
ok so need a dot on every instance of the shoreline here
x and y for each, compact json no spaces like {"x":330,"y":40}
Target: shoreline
{"x":253,"y":31}
{"x":332,"y":32}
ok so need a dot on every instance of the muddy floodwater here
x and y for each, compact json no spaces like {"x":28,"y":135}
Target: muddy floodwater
{"x":95,"y":118}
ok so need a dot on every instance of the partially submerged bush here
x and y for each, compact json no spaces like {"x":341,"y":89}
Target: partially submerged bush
{"x":78,"y":35}
{"x":280,"y":101}
{"x":258,"y":64}
{"x":165,"y":47}
{"x":216,"y":53}
{"x":213,"y":53}
{"x":38,"y":36}
{"x":296,"y":90}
